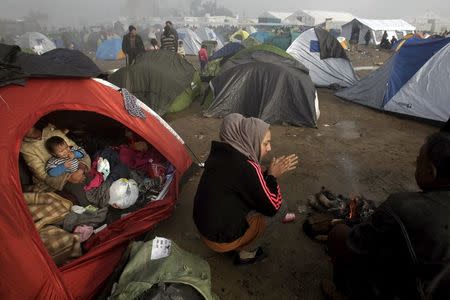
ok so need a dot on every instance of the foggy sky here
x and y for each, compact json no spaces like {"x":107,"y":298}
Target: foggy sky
{"x":76,"y":12}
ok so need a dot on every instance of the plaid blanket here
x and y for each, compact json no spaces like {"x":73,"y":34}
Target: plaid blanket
{"x":46,"y":210}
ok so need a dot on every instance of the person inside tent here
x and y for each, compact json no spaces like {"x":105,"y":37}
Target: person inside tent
{"x":236,"y":201}
{"x":132,"y":44}
{"x":36,"y":156}
{"x":400,"y":252}
{"x":65,"y":158}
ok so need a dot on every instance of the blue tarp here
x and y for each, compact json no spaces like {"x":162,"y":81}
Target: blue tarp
{"x":314,"y":46}
{"x":226,"y":51}
{"x":408,"y":60}
{"x":109,"y":49}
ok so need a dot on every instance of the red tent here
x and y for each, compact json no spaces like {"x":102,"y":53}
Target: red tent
{"x":27,"y":271}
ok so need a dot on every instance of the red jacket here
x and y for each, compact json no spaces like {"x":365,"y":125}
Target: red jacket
{"x":203,"y":54}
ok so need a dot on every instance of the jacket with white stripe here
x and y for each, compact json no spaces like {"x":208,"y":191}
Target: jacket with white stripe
{"x":231,"y":186}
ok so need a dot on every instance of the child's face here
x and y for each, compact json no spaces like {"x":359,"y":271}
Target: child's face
{"x":61,"y":151}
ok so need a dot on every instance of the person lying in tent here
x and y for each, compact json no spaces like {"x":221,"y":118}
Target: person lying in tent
{"x":403,"y":251}
{"x":36,"y":156}
{"x":236,"y":201}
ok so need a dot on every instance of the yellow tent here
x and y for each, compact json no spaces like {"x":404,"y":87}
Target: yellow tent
{"x":242,"y":33}
{"x":343,"y":41}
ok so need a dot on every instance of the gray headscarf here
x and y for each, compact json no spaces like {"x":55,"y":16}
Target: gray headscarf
{"x":244,"y":134}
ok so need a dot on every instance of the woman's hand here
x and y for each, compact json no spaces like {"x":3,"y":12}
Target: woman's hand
{"x":282,"y":164}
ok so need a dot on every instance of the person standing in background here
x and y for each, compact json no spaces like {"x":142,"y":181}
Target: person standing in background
{"x":203,"y":58}
{"x":132,"y":44}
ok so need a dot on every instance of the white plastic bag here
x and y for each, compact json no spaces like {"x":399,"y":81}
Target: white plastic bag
{"x":123,"y":193}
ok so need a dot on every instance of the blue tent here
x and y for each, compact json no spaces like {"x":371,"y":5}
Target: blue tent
{"x":227,"y":51}
{"x":110,"y":50}
{"x":413,"y":82}
{"x":261,"y":36}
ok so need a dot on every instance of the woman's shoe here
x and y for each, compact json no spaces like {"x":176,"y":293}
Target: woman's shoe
{"x":259,"y":255}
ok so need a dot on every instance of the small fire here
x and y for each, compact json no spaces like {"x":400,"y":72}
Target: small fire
{"x":353,"y":208}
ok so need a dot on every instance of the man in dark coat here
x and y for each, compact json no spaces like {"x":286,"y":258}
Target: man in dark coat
{"x":403,"y":251}
{"x":132,"y":44}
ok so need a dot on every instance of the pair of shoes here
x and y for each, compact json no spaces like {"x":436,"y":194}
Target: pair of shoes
{"x":330,"y":291}
{"x":259,"y":256}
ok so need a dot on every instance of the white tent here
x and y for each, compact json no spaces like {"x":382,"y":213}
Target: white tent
{"x":323,"y":72}
{"x":357,"y":29}
{"x":191,"y":41}
{"x":207,"y":34}
{"x":273,"y":17}
{"x":35,"y":41}
{"x":335,"y":19}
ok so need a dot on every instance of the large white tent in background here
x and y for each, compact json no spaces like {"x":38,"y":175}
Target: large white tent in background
{"x":356,"y":29}
{"x":273,"y":17}
{"x":332,"y":19}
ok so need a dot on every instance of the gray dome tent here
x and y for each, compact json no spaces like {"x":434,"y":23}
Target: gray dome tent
{"x":265,"y":85}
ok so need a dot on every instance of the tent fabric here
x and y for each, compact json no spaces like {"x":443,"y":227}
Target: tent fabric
{"x":28,"y":271}
{"x":396,"y":24}
{"x":409,"y":60}
{"x":267,"y":86}
{"x":110,"y":50}
{"x":412,"y":82}
{"x":426,"y":94}
{"x":329,"y":45}
{"x":324,"y":72}
{"x":357,"y":29}
{"x":207,"y":34}
{"x":157,"y":78}
{"x":227,"y":51}
{"x":55,"y":63}
{"x":244,"y":34}
{"x":370,"y":90}
{"x":191,"y":41}
{"x":35,"y":41}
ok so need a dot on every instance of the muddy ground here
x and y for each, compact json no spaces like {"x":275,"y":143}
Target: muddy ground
{"x":354,"y":149}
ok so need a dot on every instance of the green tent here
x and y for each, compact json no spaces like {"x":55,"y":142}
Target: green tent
{"x":163,"y":80}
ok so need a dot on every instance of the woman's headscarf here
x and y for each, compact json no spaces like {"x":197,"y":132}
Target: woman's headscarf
{"x":244,"y":134}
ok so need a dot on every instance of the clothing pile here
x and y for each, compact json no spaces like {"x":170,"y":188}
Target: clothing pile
{"x":62,"y":226}
{"x":126,"y":178}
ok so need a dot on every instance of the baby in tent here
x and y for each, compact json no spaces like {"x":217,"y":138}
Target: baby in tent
{"x":64,"y":159}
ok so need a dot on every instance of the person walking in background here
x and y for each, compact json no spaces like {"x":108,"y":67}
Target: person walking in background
{"x":203,"y":58}
{"x":168,"y":41}
{"x":132,"y":44}
{"x":174,"y":32}
{"x":367,"y":37}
